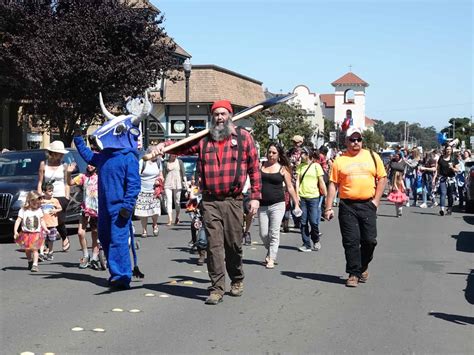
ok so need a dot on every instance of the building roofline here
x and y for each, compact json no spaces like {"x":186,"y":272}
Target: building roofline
{"x":227,"y":71}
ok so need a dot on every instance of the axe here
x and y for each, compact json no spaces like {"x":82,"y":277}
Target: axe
{"x":245,"y":113}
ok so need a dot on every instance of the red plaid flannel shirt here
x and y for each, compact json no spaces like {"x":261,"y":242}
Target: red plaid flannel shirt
{"x":219,"y":175}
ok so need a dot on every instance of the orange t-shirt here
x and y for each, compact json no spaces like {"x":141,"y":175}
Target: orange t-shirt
{"x":355,"y":175}
{"x":48,"y":205}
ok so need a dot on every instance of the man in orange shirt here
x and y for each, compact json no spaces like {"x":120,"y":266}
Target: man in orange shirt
{"x":360,"y":177}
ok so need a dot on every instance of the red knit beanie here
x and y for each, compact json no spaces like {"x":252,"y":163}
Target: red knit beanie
{"x":222,"y":103}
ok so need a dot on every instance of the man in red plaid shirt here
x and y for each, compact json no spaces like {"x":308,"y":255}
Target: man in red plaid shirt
{"x":223,"y":171}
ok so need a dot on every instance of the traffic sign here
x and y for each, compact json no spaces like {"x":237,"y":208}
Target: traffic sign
{"x":273,"y":131}
{"x":274,"y":121}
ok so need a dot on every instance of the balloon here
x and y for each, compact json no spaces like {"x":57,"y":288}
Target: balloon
{"x":442,"y":138}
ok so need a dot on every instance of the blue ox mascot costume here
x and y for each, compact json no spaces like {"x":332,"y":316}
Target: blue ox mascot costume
{"x":119,"y":185}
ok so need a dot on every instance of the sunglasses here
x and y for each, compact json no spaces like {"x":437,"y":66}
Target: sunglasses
{"x":353,"y":140}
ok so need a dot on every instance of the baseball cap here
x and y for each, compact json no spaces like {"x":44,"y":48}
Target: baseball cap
{"x":353,"y":130}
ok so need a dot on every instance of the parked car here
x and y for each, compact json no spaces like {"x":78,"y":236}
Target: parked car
{"x":19,"y":174}
{"x":469,"y":190}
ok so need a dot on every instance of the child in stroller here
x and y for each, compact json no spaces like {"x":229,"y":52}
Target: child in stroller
{"x":198,"y":234}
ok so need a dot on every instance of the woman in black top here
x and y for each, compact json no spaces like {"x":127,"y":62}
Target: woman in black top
{"x":276,"y":175}
{"x":447,"y":168}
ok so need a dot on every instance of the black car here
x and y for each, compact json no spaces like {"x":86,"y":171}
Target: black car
{"x":19,"y":174}
{"x":469,"y":185}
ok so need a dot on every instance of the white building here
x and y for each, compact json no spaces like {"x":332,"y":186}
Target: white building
{"x":310,"y":102}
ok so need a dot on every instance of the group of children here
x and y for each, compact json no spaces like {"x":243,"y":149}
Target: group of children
{"x":35,"y":229}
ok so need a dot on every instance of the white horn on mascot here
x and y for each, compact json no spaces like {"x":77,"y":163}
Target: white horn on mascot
{"x":146,"y":109}
{"x":104,"y":109}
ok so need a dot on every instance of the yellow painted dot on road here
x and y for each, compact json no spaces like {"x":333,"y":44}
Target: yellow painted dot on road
{"x":98,"y":330}
{"x":117,"y":310}
{"x":254,"y":243}
{"x":27,"y":353}
{"x":197,"y":271}
{"x":173,"y":282}
{"x":253,"y":248}
{"x":164,"y":296}
{"x":77,"y":329}
{"x":134,"y":311}
{"x":150,"y":295}
{"x":187,"y":282}
{"x":49,"y":354}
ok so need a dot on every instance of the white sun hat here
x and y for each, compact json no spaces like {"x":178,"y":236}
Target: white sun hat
{"x":57,"y":147}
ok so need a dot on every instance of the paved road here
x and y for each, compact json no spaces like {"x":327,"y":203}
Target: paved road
{"x":419,"y":298}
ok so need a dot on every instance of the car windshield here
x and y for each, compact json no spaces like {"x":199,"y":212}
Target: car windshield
{"x":189,"y":165}
{"x":21,"y":163}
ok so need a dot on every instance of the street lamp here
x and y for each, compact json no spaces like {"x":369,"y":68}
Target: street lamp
{"x":187,"y":74}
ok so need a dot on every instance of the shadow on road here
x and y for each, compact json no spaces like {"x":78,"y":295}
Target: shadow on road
{"x":464,"y":241}
{"x":468,"y":219}
{"x":385,"y":215}
{"x":454,"y":318}
{"x":190,"y":261}
{"x":312,"y":276}
{"x":287,"y":247}
{"x":177,"y":290}
{"x":469,"y":290}
{"x":99,"y":281}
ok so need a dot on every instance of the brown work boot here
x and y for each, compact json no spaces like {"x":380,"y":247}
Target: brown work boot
{"x":202,"y":257}
{"x":237,"y":289}
{"x":352,"y":281}
{"x":214,"y":298}
{"x":364,"y":276}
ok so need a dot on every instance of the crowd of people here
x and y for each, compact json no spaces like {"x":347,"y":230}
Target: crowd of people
{"x":232,"y":187}
{"x":436,"y":173}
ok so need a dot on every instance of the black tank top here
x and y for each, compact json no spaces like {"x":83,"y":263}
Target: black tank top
{"x":272,"y":188}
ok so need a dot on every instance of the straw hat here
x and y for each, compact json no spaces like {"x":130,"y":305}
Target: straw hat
{"x":57,"y":147}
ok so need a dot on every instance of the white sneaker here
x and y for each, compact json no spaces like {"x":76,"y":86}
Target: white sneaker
{"x":423,"y":205}
{"x":408,"y":204}
{"x":435,"y":204}
{"x":304,"y":249}
{"x":317,"y":246}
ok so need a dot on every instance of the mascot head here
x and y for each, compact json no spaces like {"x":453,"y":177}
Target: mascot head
{"x":120,"y":132}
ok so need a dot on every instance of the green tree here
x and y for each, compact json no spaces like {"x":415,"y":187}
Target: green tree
{"x":58,"y":55}
{"x":373,"y":140}
{"x":460,"y":128}
{"x":292,"y":121}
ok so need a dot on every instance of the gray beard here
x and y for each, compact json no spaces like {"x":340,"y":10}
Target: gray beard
{"x":218,"y":134}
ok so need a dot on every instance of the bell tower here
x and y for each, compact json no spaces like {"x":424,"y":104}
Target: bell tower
{"x":349,"y":100}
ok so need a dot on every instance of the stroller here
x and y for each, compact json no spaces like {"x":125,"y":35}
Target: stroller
{"x":198,"y":233}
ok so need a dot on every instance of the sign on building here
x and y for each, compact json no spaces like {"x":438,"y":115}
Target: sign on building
{"x":332,"y":136}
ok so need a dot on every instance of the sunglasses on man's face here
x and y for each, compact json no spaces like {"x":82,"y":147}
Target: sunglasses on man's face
{"x":353,"y":140}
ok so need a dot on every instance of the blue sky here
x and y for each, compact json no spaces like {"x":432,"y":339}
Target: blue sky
{"x":417,"y":56}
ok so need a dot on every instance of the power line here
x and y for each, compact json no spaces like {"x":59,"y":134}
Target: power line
{"x":422,"y":108}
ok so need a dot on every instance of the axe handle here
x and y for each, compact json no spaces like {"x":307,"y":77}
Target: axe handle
{"x":206,"y":131}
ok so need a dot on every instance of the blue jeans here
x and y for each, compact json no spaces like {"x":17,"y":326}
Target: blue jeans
{"x":310,"y":218}
{"x":410,"y":184}
{"x":446,"y":189}
{"x":427,"y":186}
